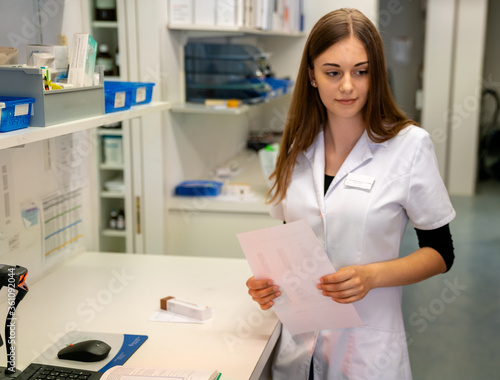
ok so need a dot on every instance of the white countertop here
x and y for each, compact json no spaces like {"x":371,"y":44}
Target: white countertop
{"x":118,"y":293}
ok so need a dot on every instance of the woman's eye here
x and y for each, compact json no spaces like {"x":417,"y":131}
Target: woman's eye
{"x":362,"y":72}
{"x":333,"y":73}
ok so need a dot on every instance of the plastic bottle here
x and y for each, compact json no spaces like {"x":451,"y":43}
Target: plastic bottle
{"x":120,"y":220}
{"x":105,"y":59}
{"x":117,"y":62}
{"x":105,"y":10}
{"x":113,"y":219}
{"x":113,"y":149}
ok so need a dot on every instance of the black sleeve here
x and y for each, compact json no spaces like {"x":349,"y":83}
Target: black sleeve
{"x":439,"y":239}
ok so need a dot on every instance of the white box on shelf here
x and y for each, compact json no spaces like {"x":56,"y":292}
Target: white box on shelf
{"x":60,"y":54}
{"x":181,"y":12}
{"x":240,"y":13}
{"x":204,"y":12}
{"x":82,"y":61}
{"x":226,"y":12}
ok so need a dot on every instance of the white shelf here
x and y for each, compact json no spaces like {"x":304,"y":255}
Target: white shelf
{"x":105,"y":24}
{"x":33,"y":134}
{"x":114,"y":233}
{"x":113,"y":195}
{"x":250,"y":172}
{"x":111,"y":166}
{"x":110,"y":131}
{"x":235,"y":29}
{"x":192,"y":108}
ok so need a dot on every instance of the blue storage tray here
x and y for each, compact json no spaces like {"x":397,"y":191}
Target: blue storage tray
{"x":199,"y":188}
{"x":282,"y":86}
{"x":15,"y":112}
{"x":142,"y":92}
{"x":116,"y":97}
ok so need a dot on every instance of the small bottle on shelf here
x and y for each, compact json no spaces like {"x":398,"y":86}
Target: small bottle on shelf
{"x":103,"y":58}
{"x":120,"y":220}
{"x":113,"y":219}
{"x":105,"y":10}
{"x":117,"y":62}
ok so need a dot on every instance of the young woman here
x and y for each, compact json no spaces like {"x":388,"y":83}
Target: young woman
{"x":357,"y":169}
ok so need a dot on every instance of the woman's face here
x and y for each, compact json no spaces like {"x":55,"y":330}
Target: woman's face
{"x":341,"y":76}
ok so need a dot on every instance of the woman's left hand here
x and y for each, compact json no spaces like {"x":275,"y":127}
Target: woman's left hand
{"x":347,"y":285}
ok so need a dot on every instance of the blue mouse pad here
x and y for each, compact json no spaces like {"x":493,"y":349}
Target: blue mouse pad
{"x":122,"y":348}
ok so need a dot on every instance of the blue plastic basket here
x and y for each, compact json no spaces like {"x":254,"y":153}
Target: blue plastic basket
{"x":141,"y":92}
{"x":16,"y":112}
{"x":199,"y":188}
{"x":281,"y":86}
{"x":116,"y":97}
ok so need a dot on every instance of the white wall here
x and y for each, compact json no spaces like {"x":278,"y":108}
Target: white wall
{"x":453,"y":65}
{"x":19,"y":30}
{"x":437,"y":79}
{"x":466,"y":96}
{"x":32,"y":177}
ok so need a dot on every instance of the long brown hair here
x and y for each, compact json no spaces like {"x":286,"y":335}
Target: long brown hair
{"x":382,"y":117}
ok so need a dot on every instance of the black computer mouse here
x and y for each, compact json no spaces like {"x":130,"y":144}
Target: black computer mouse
{"x":85,"y":351}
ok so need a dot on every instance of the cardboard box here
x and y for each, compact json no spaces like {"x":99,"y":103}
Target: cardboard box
{"x":185,"y":308}
{"x":181,"y":12}
{"x":60,"y":54}
{"x":226,"y":13}
{"x":204,"y":12}
{"x":82,"y":60}
{"x":8,"y":56}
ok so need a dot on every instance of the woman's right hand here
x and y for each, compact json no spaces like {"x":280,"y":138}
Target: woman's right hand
{"x":263,"y":292}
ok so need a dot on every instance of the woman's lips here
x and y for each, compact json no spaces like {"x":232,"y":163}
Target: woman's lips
{"x":346,"y":102}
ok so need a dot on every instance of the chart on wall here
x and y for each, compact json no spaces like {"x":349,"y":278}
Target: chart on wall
{"x":9,"y":239}
{"x":62,"y":212}
{"x":62,"y":223}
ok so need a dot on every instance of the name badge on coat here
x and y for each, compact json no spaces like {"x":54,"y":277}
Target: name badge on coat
{"x":359,"y":181}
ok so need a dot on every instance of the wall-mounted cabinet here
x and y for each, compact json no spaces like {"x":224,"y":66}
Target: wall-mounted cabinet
{"x":205,"y":138}
{"x":104,"y":26}
{"x":113,"y":193}
{"x":128,"y":29}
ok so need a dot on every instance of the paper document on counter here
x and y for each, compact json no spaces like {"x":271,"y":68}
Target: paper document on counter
{"x":292,"y":256}
{"x":146,"y":373}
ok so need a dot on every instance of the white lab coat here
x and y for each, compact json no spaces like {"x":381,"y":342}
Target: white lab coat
{"x":358,"y":226}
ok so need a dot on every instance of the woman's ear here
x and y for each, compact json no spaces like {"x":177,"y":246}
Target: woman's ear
{"x":312,"y":79}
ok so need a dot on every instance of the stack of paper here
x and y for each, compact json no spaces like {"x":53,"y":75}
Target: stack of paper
{"x":291,"y":256}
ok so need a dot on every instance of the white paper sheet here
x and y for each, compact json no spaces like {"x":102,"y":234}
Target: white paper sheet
{"x":9,"y":238}
{"x":291,"y":256}
{"x":70,"y":155}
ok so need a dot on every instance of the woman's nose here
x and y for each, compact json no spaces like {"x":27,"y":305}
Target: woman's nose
{"x":346,"y":84}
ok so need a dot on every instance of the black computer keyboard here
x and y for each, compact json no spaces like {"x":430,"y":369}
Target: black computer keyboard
{"x":36,"y":371}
